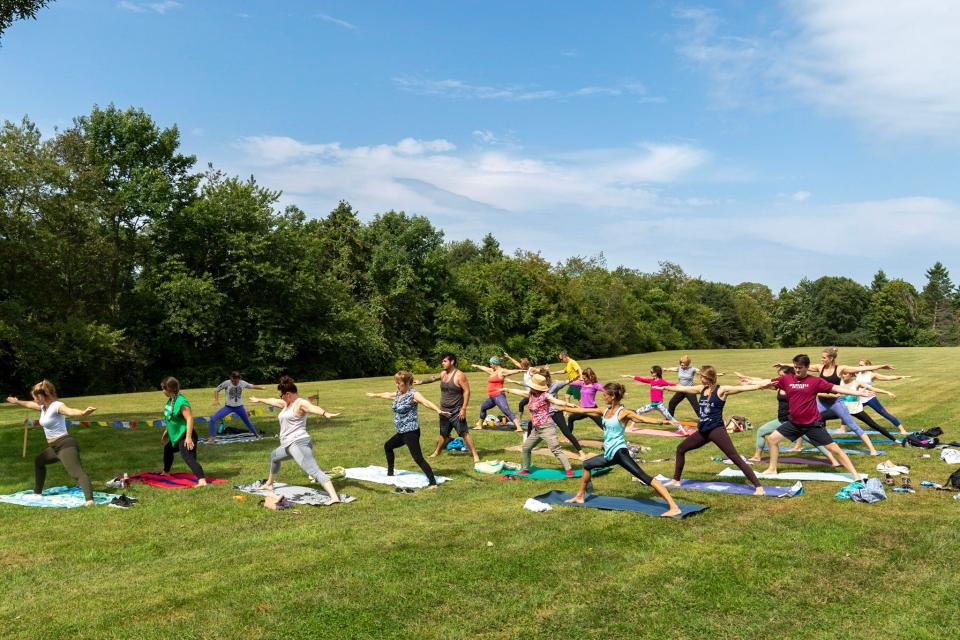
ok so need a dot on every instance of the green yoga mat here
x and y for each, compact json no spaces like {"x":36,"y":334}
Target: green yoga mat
{"x":552,"y":473}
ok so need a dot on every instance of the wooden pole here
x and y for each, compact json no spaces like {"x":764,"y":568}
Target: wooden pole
{"x":25,"y":427}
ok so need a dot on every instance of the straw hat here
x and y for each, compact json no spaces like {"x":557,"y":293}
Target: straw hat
{"x":538,"y":382}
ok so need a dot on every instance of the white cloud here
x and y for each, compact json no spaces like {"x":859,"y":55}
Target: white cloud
{"x":889,"y":66}
{"x":336,"y":21}
{"x":451,"y":88}
{"x":433,"y":177}
{"x":143,"y":7}
{"x":800,"y":196}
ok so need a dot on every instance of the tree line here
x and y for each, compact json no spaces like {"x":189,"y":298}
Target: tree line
{"x":121,"y":262}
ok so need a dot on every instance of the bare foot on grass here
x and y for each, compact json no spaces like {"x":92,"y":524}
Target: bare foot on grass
{"x":577,"y":499}
{"x":671,"y":513}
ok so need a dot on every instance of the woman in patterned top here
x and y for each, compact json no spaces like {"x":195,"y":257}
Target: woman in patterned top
{"x":406,"y":422}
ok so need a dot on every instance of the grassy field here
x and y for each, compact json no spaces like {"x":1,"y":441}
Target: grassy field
{"x":466,"y":561}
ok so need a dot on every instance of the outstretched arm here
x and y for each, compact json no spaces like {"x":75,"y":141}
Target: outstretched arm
{"x":867,"y":367}
{"x":517,"y":392}
{"x":870,"y":387}
{"x":26,"y":404}
{"x":726,"y":390}
{"x":67,"y":411}
{"x":671,"y":369}
{"x":429,"y":380}
{"x":886,"y":378}
{"x":511,"y":359}
{"x":587,"y":411}
{"x":419,"y":397}
{"x":386,"y":395}
{"x":511,"y":372}
{"x":273,"y":402}
{"x":557,"y":402}
{"x":843,"y":391}
{"x":482,"y":368}
{"x":679,"y":388}
{"x":308,"y":407}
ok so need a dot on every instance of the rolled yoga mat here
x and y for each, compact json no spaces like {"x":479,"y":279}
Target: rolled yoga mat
{"x":610,"y":503}
{"x":170,"y":481}
{"x":736,"y":488}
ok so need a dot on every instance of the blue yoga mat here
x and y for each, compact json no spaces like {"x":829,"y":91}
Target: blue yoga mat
{"x":610,"y":503}
{"x":56,"y":497}
{"x":875,"y":441}
{"x":736,"y":488}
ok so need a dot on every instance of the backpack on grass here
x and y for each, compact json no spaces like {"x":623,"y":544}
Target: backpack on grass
{"x":921,"y":440}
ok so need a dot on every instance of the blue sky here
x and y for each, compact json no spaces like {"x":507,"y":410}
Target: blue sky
{"x":746,"y":141}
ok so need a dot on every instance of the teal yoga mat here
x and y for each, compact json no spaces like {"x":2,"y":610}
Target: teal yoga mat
{"x":551,"y":473}
{"x":610,"y":503}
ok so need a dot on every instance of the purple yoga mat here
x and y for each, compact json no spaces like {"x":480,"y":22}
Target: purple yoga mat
{"x":736,"y":488}
{"x":799,"y":460}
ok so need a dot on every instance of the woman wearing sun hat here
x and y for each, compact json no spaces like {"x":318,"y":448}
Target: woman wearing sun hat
{"x":542,"y":425}
{"x":495,"y":398}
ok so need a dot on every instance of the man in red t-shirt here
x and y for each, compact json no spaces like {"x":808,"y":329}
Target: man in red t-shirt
{"x":801,"y":391}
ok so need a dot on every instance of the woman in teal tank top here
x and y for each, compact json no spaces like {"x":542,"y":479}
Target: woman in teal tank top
{"x":615,"y":449}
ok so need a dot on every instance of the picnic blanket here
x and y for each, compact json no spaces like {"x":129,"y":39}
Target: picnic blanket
{"x":294,"y":493}
{"x":821,"y":476}
{"x":737,"y":488}
{"x":170,"y":481}
{"x":610,"y":503}
{"x":56,"y":497}
{"x":401,"y":478}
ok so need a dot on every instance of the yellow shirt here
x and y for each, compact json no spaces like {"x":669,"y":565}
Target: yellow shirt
{"x":573,"y":369}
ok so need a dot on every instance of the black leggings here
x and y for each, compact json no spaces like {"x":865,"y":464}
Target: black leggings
{"x":189,"y":456}
{"x":623,"y":458}
{"x":580,"y":416}
{"x":678,"y":398}
{"x":719,"y":437}
{"x":412,"y":440}
{"x":66,"y":450}
{"x":870,"y":422}
{"x":523,"y":405}
{"x":565,"y":429}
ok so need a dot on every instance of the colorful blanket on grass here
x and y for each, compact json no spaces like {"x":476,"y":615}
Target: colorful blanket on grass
{"x":56,"y":497}
{"x":294,"y":493}
{"x":171,"y":481}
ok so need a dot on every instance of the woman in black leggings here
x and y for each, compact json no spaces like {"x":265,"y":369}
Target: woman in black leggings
{"x":407,"y":423}
{"x":710,"y":427}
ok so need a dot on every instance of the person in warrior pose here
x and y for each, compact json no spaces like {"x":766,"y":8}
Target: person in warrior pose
{"x":589,"y":388}
{"x":783,"y":415}
{"x":178,"y":436}
{"x":710,"y":427}
{"x":868,"y":377}
{"x":657,"y":383}
{"x":454,"y":399}
{"x":615,"y":449}
{"x":295,"y":440}
{"x":685,"y":374}
{"x":407,"y":423}
{"x":233,"y":403}
{"x":801,"y":390}
{"x":60,"y":444}
{"x":574,"y":372}
{"x":528,"y":372}
{"x":541,"y":424}
{"x":495,"y":377}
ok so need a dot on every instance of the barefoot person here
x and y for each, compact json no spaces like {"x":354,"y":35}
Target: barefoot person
{"x":685,"y":375}
{"x":710,"y":426}
{"x":406,"y":422}
{"x":783,"y":415}
{"x":496,"y":375}
{"x":60,"y":444}
{"x":657,"y":383}
{"x":178,"y":436}
{"x":454,"y":400}
{"x":805,"y":421}
{"x":295,"y":441}
{"x":855,"y":404}
{"x":528,"y":372}
{"x":867,"y":377}
{"x":541,"y":424}
{"x":615,"y":449}
{"x":233,"y":403}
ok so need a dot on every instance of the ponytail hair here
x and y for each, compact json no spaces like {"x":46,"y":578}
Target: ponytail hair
{"x":589,"y":376}
{"x":615,"y":390}
{"x":44,"y":388}
{"x":708,"y":375}
{"x":287,"y":385}
{"x":657,"y":371}
{"x":171,"y":384}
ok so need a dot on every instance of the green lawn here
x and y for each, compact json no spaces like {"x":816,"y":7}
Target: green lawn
{"x":466,"y":561}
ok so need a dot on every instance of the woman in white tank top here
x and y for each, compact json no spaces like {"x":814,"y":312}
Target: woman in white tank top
{"x":295,"y":440}
{"x":62,"y":446}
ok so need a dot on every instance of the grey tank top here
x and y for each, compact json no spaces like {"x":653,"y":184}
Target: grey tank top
{"x":293,"y":427}
{"x":451,"y":395}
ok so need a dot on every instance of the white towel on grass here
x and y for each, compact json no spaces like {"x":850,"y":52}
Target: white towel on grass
{"x":822,"y":476}
{"x":400,"y":478}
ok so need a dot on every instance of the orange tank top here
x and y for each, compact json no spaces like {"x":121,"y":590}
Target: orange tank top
{"x":494,"y":386}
